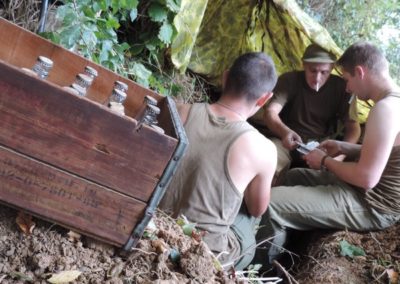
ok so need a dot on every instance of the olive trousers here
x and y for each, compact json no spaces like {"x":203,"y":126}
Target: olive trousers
{"x":313,"y":199}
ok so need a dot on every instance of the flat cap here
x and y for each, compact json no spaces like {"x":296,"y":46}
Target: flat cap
{"x":315,"y":53}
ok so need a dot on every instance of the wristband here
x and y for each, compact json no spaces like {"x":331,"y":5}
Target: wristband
{"x":322,"y":165}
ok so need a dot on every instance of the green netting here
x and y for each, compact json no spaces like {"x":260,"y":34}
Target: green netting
{"x":214,"y":38}
{"x":211,"y":34}
{"x":187,"y":23}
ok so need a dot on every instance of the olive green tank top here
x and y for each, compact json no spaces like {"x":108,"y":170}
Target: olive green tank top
{"x":201,"y":188}
{"x":385,"y":196}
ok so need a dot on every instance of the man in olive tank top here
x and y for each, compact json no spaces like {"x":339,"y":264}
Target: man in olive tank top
{"x":227,"y":161}
{"x":362,"y":194}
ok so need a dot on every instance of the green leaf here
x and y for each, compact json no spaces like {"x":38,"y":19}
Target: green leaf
{"x":157,"y":13}
{"x":175,"y":89}
{"x":165,"y":34}
{"x":122,"y":4}
{"x":181,"y":222}
{"x":112,"y":23}
{"x":115,"y":5}
{"x":188,"y":229}
{"x":105,"y":49}
{"x":133,"y":14}
{"x":96,"y":7}
{"x":141,"y":73}
{"x":54,"y":37}
{"x":103,"y":4}
{"x":347,"y":249}
{"x":89,"y":12}
{"x":136,"y":49}
{"x":63,"y":10}
{"x":70,"y":36}
{"x":131,"y":4}
{"x":70,"y":18}
{"x":153,"y":43}
{"x":122,"y":47}
{"x":89,"y":38}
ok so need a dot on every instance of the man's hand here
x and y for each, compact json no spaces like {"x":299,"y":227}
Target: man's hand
{"x":314,"y":158}
{"x":290,"y":140}
{"x":331,"y":147}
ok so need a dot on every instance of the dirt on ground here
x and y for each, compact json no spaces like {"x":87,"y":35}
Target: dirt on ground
{"x":35,"y":251}
{"x":165,"y":255}
{"x":349,"y":257}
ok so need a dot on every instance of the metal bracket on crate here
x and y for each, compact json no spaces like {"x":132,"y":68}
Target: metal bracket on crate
{"x":165,"y":178}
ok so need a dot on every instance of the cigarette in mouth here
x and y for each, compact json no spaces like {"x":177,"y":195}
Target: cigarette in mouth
{"x":317,"y":87}
{"x":351,"y":98}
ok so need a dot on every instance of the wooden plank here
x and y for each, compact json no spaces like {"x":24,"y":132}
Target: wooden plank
{"x":72,"y":133}
{"x":22,"y":48}
{"x":67,"y":199}
{"x":165,"y":119}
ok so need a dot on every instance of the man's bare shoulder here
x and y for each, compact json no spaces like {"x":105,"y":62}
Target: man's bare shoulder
{"x":382,"y":124}
{"x":257,"y":144}
{"x":389,"y":106}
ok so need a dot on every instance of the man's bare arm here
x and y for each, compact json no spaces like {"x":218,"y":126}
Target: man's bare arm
{"x":352,"y":131}
{"x":258,"y":193}
{"x":280,"y":129}
{"x":251,"y":164}
{"x":375,"y":150}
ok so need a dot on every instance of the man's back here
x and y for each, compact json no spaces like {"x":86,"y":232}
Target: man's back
{"x":202,"y":188}
{"x":227,"y":162}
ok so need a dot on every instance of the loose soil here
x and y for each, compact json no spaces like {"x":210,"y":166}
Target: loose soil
{"x":52,"y":249}
{"x":322,"y":262}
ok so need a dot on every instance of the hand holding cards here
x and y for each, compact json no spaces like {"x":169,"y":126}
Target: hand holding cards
{"x":306,"y":148}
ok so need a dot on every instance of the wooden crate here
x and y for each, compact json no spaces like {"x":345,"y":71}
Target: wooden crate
{"x":70,"y":159}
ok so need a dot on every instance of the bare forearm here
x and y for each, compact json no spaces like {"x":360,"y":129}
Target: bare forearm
{"x":275,"y":124}
{"x":352,"y":132}
{"x":351,"y":150}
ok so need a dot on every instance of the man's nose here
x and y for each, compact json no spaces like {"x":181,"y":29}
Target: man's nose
{"x":318,"y":76}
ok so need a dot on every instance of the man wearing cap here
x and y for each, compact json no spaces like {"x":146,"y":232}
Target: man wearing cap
{"x":307,"y":106}
{"x":361,"y":194}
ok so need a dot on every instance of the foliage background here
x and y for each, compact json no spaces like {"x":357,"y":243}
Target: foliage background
{"x":372,"y":20}
{"x":154,"y":41}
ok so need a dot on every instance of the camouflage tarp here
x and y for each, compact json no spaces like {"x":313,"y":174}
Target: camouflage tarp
{"x":211,"y":34}
{"x":230,"y":28}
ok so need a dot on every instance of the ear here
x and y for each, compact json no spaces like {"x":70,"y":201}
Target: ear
{"x":263,"y":99}
{"x":359,"y":71}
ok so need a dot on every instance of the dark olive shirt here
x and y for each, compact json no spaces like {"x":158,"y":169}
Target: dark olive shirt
{"x":313,"y":115}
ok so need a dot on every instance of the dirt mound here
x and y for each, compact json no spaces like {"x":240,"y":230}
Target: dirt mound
{"x":167,"y":255}
{"x":324,"y":262}
{"x":50,"y":249}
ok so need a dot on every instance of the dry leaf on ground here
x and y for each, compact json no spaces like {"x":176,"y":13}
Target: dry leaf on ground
{"x":64,"y":276}
{"x":25,"y":223}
